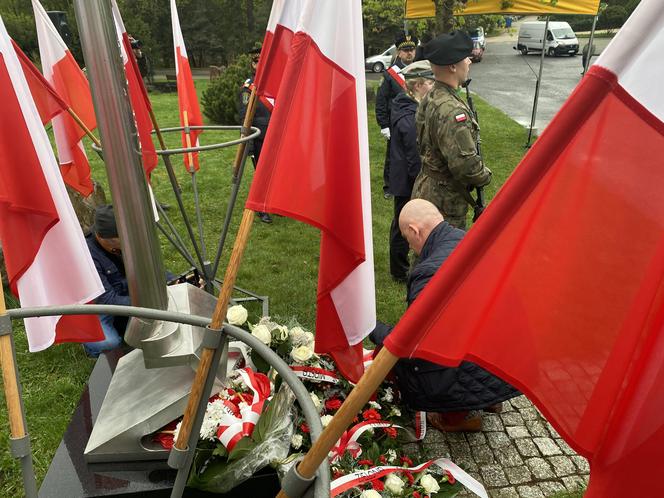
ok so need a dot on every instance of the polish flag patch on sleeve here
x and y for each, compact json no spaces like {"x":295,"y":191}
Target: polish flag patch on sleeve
{"x":460,"y":118}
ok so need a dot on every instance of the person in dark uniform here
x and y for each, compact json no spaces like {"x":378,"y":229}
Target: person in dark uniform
{"x":405,"y":160}
{"x":261,"y":117}
{"x":393,"y":84}
{"x":453,"y":396}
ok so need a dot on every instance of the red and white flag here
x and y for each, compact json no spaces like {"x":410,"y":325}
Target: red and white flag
{"x":48,"y":262}
{"x":190,"y":114}
{"x":315,"y":168}
{"x":62,"y":72}
{"x":277,"y":44}
{"x":559,"y":287}
{"x":138,"y":95}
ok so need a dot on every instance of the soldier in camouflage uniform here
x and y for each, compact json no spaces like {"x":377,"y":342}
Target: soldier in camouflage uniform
{"x":447,"y":133}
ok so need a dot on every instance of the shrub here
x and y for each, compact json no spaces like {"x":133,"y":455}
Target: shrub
{"x":221,"y":99}
{"x":613,"y":17}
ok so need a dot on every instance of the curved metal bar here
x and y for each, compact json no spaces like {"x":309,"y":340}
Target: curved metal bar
{"x":302,"y":395}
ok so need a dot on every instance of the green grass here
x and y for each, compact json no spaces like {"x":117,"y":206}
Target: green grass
{"x":281,"y":261}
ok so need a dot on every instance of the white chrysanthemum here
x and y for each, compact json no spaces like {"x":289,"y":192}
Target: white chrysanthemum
{"x":394,"y":484}
{"x":395,"y":412}
{"x":237,"y":315}
{"x":388,"y":395}
{"x":391,"y":456}
{"x":325,"y":420}
{"x":302,"y":353}
{"x":374,"y":405}
{"x":316,"y":400}
{"x":296,"y":441}
{"x":262,"y":333}
{"x":430,"y":484}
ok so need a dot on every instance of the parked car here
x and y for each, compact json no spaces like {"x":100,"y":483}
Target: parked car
{"x":560,"y":38}
{"x":479,"y":44}
{"x":378,"y":63}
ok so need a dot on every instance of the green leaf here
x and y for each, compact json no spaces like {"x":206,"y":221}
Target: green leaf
{"x":241,"y":449}
{"x":261,"y":365}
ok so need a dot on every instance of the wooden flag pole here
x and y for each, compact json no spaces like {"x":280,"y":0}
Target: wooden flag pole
{"x":357,"y":398}
{"x":219,"y":311}
{"x":248,"y":118}
{"x":80,"y":123}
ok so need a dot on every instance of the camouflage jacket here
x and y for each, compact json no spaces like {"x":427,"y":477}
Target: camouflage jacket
{"x":447,"y":138}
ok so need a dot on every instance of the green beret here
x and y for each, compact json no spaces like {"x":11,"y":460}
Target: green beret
{"x":448,"y":48}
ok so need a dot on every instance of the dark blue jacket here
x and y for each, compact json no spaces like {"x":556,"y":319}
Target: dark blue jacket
{"x":387,"y":90}
{"x":405,"y":161}
{"x":111,"y":272}
{"x":428,"y":386}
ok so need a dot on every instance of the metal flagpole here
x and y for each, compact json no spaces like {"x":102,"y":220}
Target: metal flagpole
{"x":537,"y":86}
{"x":590,"y":47}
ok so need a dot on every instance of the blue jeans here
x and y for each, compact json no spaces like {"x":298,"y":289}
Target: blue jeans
{"x":112,"y":338}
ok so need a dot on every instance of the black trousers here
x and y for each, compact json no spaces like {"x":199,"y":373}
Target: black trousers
{"x":386,"y":170}
{"x":398,"y":245}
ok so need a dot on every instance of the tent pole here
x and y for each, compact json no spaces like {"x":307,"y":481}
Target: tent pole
{"x":537,"y":85}
{"x":590,"y":47}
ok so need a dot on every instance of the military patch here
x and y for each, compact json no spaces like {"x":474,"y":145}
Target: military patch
{"x":245,"y":98}
{"x":460,"y":118}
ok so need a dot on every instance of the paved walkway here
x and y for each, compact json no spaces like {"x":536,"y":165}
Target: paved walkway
{"x":517,"y":455}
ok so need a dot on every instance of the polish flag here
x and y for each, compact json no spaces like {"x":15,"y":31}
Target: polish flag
{"x":190,"y":114}
{"x":559,"y":287}
{"x":48,"y":262}
{"x":48,"y":102}
{"x":316,"y":170}
{"x":140,"y":102}
{"x":277,"y":44}
{"x":62,"y":72}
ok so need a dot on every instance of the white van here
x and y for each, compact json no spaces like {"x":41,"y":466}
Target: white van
{"x":560,"y":39}
{"x":378,"y":63}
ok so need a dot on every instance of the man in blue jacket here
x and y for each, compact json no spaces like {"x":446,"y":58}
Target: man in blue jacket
{"x":106,"y":252}
{"x":453,"y":397}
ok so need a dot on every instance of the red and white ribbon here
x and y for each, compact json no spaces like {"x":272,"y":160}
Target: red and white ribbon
{"x":367,"y":357}
{"x":237,"y":423}
{"x":348,"y":441}
{"x":316,"y":374}
{"x":395,"y":72}
{"x":349,"y":481}
{"x":420,"y":425}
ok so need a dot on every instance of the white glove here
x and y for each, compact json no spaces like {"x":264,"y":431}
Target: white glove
{"x":386,"y":133}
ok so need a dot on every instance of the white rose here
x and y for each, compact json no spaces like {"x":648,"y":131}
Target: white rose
{"x":237,"y":315}
{"x":394,"y":484}
{"x":308,"y":339}
{"x":280,"y":333}
{"x":262,"y":333}
{"x":374,"y":405}
{"x":430,"y":484}
{"x":370,"y":493}
{"x":325,"y":420}
{"x":296,"y":334}
{"x":296,"y":441}
{"x":302,"y":354}
{"x":391,"y":456}
{"x":316,"y":400}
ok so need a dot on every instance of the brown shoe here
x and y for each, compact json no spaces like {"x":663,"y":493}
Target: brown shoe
{"x":455,"y":421}
{"x":497,"y":408}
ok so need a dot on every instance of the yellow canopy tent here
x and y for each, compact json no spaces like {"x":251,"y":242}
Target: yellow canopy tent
{"x":417,"y":9}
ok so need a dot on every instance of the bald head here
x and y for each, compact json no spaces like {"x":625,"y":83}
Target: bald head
{"x":418,"y":218}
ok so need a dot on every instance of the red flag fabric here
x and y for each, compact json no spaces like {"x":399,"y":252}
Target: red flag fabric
{"x":62,"y":72}
{"x":48,"y":262}
{"x":190,"y":114}
{"x":315,"y":168}
{"x":48,"y":102}
{"x":140,"y":102}
{"x":277,"y":45}
{"x":559,"y":287}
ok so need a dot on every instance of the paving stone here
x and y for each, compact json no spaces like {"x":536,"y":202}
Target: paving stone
{"x":527,"y":448}
{"x":574,"y":483}
{"x":467,"y":464}
{"x":505,"y":493}
{"x":483,"y":455}
{"x":455,"y":438}
{"x":492,"y":423}
{"x":511,"y":419}
{"x":537,"y":428}
{"x":461,"y":450}
{"x":498,"y":440}
{"x":517,"y":432}
{"x":521,"y":402}
{"x":581,"y":464}
{"x":493,"y":476}
{"x":507,"y":407}
{"x":547,"y":446}
{"x":530,"y":492}
{"x":518,"y":475}
{"x":552,"y":431}
{"x":550,"y":488}
{"x":476,"y":438}
{"x":509,"y":457}
{"x":562,"y":465}
{"x":540,"y":468}
{"x":529,"y":413}
{"x":565,"y":447}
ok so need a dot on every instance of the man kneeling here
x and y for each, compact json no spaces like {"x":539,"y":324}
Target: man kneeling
{"x":452,"y":396}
